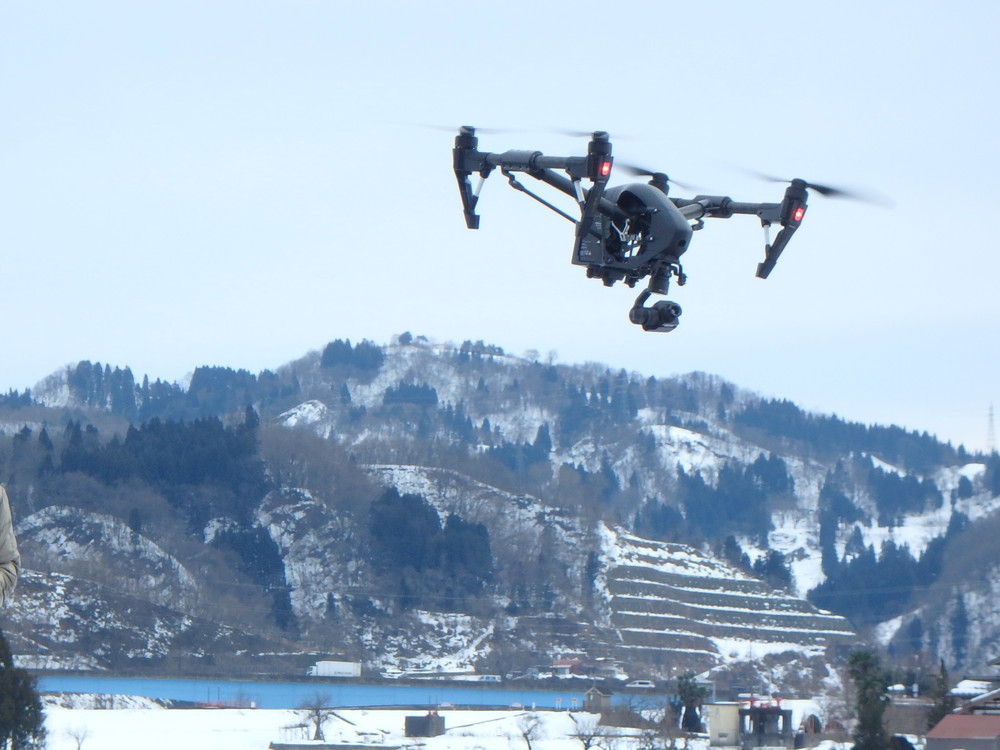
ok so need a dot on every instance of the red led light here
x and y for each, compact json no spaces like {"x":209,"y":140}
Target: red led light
{"x":798,"y":213}
{"x":605,"y":167}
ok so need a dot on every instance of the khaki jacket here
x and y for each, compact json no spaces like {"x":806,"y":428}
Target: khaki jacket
{"x":10,"y":559}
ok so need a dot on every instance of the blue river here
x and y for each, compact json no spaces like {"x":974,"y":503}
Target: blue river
{"x":294,"y":694}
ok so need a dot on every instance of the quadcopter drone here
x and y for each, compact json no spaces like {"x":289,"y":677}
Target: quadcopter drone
{"x":627,"y":232}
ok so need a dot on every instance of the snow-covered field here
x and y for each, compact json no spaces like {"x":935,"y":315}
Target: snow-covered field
{"x":129,"y":723}
{"x":165,"y":729}
{"x":238,"y":729}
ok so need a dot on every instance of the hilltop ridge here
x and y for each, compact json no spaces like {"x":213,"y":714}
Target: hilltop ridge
{"x":543,"y":506}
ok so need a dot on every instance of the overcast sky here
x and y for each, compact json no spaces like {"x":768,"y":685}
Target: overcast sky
{"x":238,"y":183}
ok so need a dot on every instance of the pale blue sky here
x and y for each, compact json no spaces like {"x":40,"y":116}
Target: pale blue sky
{"x":237,"y":183}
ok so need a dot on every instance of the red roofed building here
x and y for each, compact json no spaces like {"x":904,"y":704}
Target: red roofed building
{"x":965,"y":732}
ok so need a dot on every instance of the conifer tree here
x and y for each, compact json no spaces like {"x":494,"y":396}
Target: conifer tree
{"x":943,"y":701}
{"x":865,"y":669}
{"x":22,"y":722}
{"x":690,"y":697}
{"x":959,"y":629}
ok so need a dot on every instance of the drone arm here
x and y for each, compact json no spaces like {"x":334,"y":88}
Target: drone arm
{"x":467,"y":159}
{"x":788,"y":213}
{"x":723,"y":207}
{"x":529,"y":161}
{"x":595,"y":166}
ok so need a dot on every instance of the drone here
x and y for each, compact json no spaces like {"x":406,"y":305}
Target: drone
{"x":628,"y":232}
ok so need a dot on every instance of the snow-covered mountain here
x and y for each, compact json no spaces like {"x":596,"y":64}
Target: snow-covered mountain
{"x":431,"y":506}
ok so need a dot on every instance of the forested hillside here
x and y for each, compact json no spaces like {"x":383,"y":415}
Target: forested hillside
{"x":420,"y":494}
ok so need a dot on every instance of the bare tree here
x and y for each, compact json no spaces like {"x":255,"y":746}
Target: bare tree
{"x":530,"y":726}
{"x":664,"y":736}
{"x":78,"y":734}
{"x":588,"y":732}
{"x":317,"y":710}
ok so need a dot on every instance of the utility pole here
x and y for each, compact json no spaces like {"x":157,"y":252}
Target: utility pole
{"x":991,"y":433}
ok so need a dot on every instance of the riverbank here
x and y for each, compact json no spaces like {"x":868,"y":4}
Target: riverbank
{"x":293,"y":694}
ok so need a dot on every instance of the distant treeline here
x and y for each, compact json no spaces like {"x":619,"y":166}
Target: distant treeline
{"x":911,"y":450}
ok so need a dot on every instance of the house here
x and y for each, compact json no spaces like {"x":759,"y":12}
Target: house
{"x":597,"y":700}
{"x":605,"y":668}
{"x":970,"y":687}
{"x":965,"y":731}
{"x":566,"y":667}
{"x":723,"y":724}
{"x":431,"y":725}
{"x":974,"y":685}
{"x":767,"y":724}
{"x":974,"y":726}
{"x":987,"y":703}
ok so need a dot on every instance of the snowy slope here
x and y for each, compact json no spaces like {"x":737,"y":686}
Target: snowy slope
{"x":614,"y":442}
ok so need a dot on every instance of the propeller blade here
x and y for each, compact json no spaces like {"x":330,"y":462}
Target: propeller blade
{"x":506,"y":131}
{"x":864,"y":196}
{"x":832,"y":192}
{"x":584,"y":133}
{"x":638,"y":171}
{"x":574,"y":133}
{"x":479,"y":130}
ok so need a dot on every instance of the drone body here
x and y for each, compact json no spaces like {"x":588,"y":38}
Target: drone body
{"x":626,"y":232}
